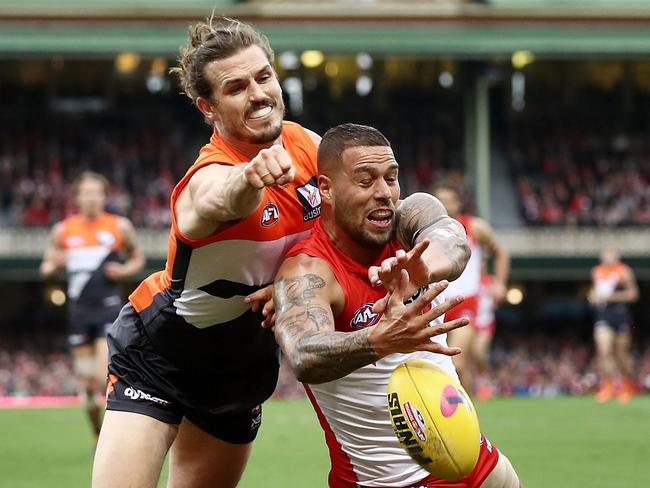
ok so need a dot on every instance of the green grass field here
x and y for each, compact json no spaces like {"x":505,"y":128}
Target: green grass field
{"x":554,"y":443}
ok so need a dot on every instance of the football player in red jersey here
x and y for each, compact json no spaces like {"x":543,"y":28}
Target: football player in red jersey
{"x":341,"y":346}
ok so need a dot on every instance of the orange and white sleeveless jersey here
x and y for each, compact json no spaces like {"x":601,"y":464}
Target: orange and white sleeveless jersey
{"x":205,"y":281}
{"x":468,"y":283}
{"x":353,"y":410}
{"x":608,"y":278}
{"x":88,"y":245}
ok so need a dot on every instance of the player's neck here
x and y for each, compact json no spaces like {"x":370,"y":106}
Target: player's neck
{"x":348,"y":246}
{"x":91,"y":216}
{"x":248,"y":149}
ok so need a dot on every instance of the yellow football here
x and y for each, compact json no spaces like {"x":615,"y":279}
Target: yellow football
{"x":434,"y":419}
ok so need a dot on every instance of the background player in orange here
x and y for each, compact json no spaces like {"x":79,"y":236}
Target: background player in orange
{"x":98,"y":250}
{"x":481,"y":240}
{"x":345,"y":348}
{"x":614,"y":288}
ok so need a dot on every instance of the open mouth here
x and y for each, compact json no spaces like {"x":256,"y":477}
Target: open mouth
{"x":381,"y":217}
{"x":260,"y":113}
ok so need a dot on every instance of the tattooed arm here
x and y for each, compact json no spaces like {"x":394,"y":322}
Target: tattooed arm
{"x":421,"y":216}
{"x":307,"y":296}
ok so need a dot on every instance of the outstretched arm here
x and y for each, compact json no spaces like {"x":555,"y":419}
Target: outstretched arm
{"x":421,"y":216}
{"x":436,"y":244}
{"x":307,"y":296}
{"x":217,"y":194}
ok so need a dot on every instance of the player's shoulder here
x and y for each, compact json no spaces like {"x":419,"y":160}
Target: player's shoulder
{"x":294,"y":128}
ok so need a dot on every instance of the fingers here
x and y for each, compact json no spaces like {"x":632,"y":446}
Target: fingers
{"x":400,"y":292}
{"x":442,"y":308}
{"x":373,"y":275}
{"x":263,"y":295}
{"x":418,"y":249}
{"x":447,"y":327}
{"x":440,"y":349}
{"x":380,"y":305}
{"x":272,"y":166}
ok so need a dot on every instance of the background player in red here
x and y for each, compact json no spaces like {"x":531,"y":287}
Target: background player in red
{"x":481,"y":240}
{"x":189,"y":364}
{"x":98,"y":250}
{"x":340,"y":344}
{"x":614,"y":288}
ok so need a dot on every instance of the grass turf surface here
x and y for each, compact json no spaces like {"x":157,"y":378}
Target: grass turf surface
{"x":562,"y":442}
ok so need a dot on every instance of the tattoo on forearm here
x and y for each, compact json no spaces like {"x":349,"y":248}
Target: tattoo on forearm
{"x":305,"y":330}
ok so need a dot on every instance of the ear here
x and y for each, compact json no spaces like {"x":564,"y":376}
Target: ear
{"x":325,"y":187}
{"x":207,"y":109}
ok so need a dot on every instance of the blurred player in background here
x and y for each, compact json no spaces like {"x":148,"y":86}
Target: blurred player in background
{"x":481,"y":240}
{"x":484,"y":325}
{"x":614,"y":288}
{"x":189,"y":363}
{"x":346,"y":349}
{"x":97,"y":250}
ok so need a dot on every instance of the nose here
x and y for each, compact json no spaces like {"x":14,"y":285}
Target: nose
{"x":382,"y":190}
{"x":255,"y":92}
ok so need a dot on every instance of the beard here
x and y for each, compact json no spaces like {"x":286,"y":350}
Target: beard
{"x":272,"y":129}
{"x":358,"y":233}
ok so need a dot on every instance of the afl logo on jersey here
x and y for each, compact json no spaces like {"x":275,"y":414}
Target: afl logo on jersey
{"x":105,"y":238}
{"x":309,"y":197}
{"x":364,"y":317}
{"x":270,"y":215}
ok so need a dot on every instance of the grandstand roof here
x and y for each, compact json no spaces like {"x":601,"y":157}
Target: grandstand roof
{"x":460,"y":29}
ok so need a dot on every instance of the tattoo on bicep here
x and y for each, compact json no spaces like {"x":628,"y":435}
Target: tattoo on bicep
{"x":416,"y":213}
{"x":297,"y":291}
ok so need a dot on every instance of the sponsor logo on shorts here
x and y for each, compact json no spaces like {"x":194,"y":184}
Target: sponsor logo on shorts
{"x":402,"y":431}
{"x":450,"y":399}
{"x":416,"y":420}
{"x":310,"y":199}
{"x":257,"y":417}
{"x":270,"y":215}
{"x":135,"y":394}
{"x":364,"y":317}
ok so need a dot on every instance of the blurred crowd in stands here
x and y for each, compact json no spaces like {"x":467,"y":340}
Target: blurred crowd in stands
{"x":519,"y":367}
{"x":580,"y":173}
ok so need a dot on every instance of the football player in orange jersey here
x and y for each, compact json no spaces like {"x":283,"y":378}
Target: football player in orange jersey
{"x":189,"y":365}
{"x":614,"y":288}
{"x":98,"y":250}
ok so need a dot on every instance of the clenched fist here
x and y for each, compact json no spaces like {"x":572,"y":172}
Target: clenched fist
{"x":271,"y":167}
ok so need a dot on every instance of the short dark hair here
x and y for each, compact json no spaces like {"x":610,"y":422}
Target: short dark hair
{"x":216,"y":38}
{"x":91,"y":175}
{"x":339,"y":138}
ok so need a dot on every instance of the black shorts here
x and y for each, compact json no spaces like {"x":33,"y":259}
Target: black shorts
{"x":89,"y":322}
{"x":221,"y":397}
{"x":617,"y":316}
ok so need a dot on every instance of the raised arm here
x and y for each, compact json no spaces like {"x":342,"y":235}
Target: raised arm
{"x":218,"y":194}
{"x":421,"y":216}
{"x":307,"y":296}
{"x":54,"y":256}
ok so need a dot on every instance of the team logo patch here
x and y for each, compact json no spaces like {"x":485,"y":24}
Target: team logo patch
{"x":309,"y":197}
{"x":416,"y":420}
{"x":270,"y":215}
{"x":450,"y":399}
{"x":105,"y":238}
{"x":364,"y":317}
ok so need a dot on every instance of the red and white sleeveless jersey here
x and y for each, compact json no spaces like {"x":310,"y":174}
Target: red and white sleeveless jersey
{"x":88,"y":245}
{"x":205,"y":280}
{"x":353,"y":410}
{"x":469,"y":281}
